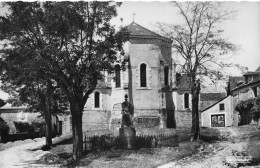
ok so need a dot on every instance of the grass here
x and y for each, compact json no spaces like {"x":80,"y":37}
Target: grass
{"x":254,"y":146}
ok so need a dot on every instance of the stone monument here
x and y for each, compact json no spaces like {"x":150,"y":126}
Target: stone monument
{"x":127,"y":132}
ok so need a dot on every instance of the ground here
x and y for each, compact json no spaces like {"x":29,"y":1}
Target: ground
{"x":213,"y":151}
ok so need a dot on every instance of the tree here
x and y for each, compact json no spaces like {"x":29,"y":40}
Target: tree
{"x":200,"y":44}
{"x":38,"y":95}
{"x":72,"y":42}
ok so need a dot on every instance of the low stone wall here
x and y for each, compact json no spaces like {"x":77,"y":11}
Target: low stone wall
{"x":10,"y":117}
{"x":184,"y":119}
{"x":96,"y":120}
{"x":91,"y":120}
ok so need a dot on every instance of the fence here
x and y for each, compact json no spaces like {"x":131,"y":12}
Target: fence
{"x":107,"y":141}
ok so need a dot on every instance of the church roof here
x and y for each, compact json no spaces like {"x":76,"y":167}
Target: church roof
{"x":139,"y":31}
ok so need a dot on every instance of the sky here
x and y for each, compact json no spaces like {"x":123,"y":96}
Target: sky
{"x":243,"y":30}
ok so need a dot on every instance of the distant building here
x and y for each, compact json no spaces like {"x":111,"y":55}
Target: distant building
{"x":244,"y":91}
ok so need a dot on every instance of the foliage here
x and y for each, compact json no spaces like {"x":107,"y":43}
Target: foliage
{"x":23,"y":126}
{"x":251,"y":106}
{"x":69,"y":43}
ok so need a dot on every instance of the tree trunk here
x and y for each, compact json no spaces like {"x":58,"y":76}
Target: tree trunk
{"x":48,"y":131}
{"x":76,"y":113}
{"x":195,"y":130}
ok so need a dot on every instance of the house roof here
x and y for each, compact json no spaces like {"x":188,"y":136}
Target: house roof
{"x":9,"y":107}
{"x":212,"y":96}
{"x":256,"y":72}
{"x":233,"y":80}
{"x":139,"y":31}
{"x":253,"y":83}
{"x":183,"y":82}
{"x":214,"y":104}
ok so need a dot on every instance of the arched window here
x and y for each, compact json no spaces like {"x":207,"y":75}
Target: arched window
{"x":117,"y":76}
{"x":97,"y":100}
{"x":186,"y":100}
{"x":166,"y":76}
{"x":143,"y":75}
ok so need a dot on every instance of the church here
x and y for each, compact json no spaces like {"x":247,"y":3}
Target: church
{"x":146,"y":74}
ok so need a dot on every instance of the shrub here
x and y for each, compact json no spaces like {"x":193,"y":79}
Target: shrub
{"x":4,"y":130}
{"x":105,"y":142}
{"x":23,"y":126}
{"x":39,"y":126}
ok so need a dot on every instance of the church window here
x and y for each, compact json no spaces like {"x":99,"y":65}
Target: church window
{"x":186,"y":100}
{"x":117,"y":76}
{"x":97,"y":100}
{"x":166,"y":76}
{"x":143,"y":75}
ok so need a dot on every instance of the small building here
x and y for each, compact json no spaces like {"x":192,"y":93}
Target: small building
{"x":219,"y":114}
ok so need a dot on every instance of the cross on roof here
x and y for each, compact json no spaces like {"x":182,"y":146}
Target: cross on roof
{"x":133,"y":16}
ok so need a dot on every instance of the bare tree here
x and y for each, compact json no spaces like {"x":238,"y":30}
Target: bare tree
{"x":200,"y":44}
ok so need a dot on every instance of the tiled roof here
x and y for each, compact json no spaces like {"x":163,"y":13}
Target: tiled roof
{"x":183,"y":82}
{"x":138,"y":31}
{"x":212,"y":96}
{"x":253,"y":83}
{"x":233,"y":80}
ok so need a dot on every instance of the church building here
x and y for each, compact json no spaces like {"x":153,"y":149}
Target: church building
{"x":146,"y":78}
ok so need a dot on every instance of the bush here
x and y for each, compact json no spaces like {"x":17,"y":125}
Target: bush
{"x":106,"y":142}
{"x":4,"y":130}
{"x":39,"y":126}
{"x":23,"y":126}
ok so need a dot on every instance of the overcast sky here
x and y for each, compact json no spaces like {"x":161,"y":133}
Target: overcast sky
{"x":244,"y":30}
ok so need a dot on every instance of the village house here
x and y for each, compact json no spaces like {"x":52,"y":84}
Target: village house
{"x":248,"y":89}
{"x":223,"y":113}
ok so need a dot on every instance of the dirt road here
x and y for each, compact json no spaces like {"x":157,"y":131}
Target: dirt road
{"x":213,"y":155}
{"x":18,"y":156}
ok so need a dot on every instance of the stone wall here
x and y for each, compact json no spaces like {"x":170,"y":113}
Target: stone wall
{"x":10,"y":117}
{"x":183,"y":119}
{"x":96,"y":120}
{"x":91,"y":120}
{"x":66,"y":124}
